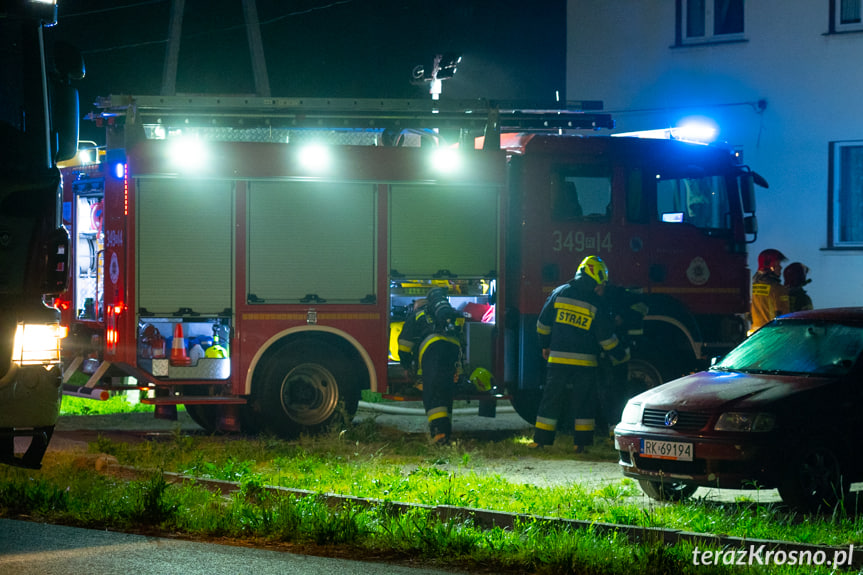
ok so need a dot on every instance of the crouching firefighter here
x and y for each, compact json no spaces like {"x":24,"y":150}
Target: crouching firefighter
{"x":574,"y":328}
{"x":430,"y":347}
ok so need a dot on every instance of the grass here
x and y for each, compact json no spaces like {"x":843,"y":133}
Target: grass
{"x":67,"y":494}
{"x":369,"y":461}
{"x":408,"y":470}
{"x":114,"y":404}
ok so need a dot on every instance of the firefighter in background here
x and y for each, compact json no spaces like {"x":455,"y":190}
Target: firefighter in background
{"x":574,"y":327}
{"x":795,"y":278}
{"x":769,"y":296}
{"x":627,"y":310}
{"x":430,"y":347}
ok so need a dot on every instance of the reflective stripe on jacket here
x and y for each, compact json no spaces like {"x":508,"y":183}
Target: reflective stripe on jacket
{"x":575,"y":326}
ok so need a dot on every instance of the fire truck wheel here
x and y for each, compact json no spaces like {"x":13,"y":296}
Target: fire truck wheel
{"x":526,"y":403}
{"x":207,"y":416}
{"x":301,"y":390}
{"x":643,"y":375}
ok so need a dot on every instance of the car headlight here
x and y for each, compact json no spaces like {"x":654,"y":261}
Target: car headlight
{"x":632,"y":413}
{"x":744,"y":421}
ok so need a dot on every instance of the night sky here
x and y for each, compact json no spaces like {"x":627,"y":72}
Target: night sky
{"x":322,"y":48}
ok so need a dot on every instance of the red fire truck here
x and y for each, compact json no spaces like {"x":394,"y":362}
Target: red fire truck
{"x":252,"y":258}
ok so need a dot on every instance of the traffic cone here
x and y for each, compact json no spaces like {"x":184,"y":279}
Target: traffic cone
{"x":178,"y":348}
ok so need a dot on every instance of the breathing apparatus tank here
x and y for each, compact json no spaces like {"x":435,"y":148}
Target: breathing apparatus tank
{"x":447,"y":319}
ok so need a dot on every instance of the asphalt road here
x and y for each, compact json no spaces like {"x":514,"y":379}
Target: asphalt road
{"x":40,"y":549}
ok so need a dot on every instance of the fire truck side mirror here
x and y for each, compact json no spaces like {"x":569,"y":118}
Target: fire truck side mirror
{"x":65,"y":122}
{"x":747,"y":193}
{"x":750,"y":227}
{"x":69,"y":66}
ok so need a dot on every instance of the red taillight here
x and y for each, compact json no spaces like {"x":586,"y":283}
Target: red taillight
{"x":111,"y":335}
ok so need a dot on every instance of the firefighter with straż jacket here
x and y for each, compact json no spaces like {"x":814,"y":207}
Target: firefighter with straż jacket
{"x":769,"y":296}
{"x":574,"y":328}
{"x":430,"y":347}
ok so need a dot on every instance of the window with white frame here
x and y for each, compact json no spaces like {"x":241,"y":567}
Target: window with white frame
{"x":846,"y":194}
{"x":711,"y":20}
{"x":846,"y":15}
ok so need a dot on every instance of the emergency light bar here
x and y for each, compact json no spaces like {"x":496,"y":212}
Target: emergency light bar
{"x":697,"y":132}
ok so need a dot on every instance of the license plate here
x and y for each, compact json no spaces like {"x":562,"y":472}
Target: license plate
{"x":673,"y":450}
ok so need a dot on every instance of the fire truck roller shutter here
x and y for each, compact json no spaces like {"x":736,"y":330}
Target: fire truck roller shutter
{"x":305,"y":383}
{"x":311,"y":238}
{"x":443,"y":227}
{"x":184,"y":241}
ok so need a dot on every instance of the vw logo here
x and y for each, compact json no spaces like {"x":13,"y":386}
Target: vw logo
{"x":671,"y":418}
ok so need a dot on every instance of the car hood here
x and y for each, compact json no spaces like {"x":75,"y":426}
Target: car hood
{"x":713,"y":390}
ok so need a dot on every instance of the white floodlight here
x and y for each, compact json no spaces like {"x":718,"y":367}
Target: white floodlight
{"x":314,"y":157}
{"x":446,"y":160}
{"x":188,"y":153}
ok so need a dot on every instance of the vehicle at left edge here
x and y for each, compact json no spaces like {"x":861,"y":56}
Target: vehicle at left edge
{"x":781,"y":410}
{"x":38,"y":128}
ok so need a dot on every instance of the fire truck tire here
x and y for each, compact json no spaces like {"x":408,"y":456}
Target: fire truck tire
{"x":643,"y":375}
{"x":207,"y":416}
{"x":305,"y":389}
{"x":526,"y":403}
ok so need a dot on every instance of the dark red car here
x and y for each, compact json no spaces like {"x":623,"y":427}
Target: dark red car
{"x":782,"y":410}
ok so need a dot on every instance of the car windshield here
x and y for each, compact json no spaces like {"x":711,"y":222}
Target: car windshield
{"x":816,"y":348}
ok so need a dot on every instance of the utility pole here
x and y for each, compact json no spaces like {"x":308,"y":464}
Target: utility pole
{"x":169,"y":72}
{"x":256,"y":48}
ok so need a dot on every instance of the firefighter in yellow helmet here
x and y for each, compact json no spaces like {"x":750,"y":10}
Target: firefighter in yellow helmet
{"x":430,"y":347}
{"x":769,"y":296}
{"x":574,"y":328}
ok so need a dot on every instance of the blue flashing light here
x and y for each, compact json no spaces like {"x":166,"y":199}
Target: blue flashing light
{"x":120,"y":170}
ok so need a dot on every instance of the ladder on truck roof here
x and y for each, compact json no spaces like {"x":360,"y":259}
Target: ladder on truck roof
{"x":469,"y":117}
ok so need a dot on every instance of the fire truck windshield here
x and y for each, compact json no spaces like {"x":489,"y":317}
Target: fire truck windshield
{"x":701,"y":202}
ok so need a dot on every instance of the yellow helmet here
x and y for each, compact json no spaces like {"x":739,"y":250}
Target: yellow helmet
{"x":481,"y":379}
{"x":594,"y":268}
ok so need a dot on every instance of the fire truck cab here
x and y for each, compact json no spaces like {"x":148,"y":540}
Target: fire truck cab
{"x":38,"y":127}
{"x":253,"y":258}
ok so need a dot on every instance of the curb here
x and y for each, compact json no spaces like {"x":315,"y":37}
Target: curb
{"x":486,"y":519}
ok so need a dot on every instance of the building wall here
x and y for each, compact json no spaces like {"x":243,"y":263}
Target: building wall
{"x":808,"y":82}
